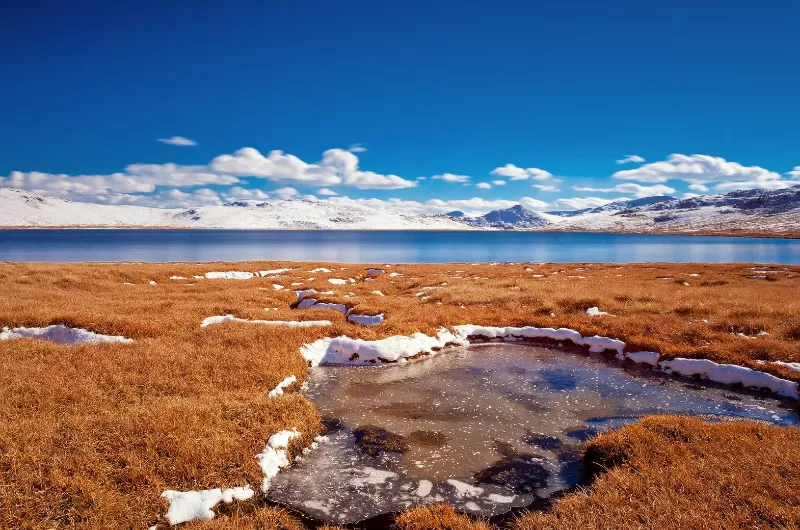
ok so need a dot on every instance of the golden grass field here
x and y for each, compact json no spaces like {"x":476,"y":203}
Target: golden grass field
{"x":91,"y":435}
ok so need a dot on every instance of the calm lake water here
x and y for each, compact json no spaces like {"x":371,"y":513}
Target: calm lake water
{"x":384,"y":246}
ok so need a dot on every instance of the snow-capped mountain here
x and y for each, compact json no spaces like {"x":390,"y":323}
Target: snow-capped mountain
{"x":515,"y":217}
{"x":764,"y":211}
{"x":773,"y":211}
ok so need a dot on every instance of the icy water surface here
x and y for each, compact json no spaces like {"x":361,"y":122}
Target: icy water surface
{"x":381,"y":246}
{"x":486,"y":428}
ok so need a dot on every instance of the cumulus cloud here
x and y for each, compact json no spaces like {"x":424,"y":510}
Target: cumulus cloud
{"x":701,"y":169}
{"x":483,"y":185}
{"x":326,"y":191}
{"x":338,"y":166}
{"x":629,"y":187}
{"x":178,"y":140}
{"x":287,"y":192}
{"x":698,"y":187}
{"x":517,"y":173}
{"x":630,"y":159}
{"x":449,"y":177}
{"x":546,"y":187}
{"x":499,"y":182}
{"x":579,"y":203}
{"x":795,"y":173}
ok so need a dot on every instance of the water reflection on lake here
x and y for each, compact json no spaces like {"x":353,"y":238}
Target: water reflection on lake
{"x":384,"y":246}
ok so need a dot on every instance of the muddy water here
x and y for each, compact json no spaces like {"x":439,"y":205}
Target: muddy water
{"x":486,"y":428}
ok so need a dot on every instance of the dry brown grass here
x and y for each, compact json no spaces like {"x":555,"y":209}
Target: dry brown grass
{"x":90,"y":435}
{"x":437,"y":517}
{"x":670,"y":472}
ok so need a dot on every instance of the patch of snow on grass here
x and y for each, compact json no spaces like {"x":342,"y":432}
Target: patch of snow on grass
{"x":595,"y":312}
{"x":337,"y":281}
{"x":378,"y":293}
{"x":230,"y":275}
{"x":731,"y":374}
{"x":61,"y":334}
{"x":273,"y":458}
{"x":366,"y":320}
{"x":177,"y":278}
{"x":641,"y":357}
{"x":153,"y":282}
{"x":375,"y":272}
{"x":219,"y":319}
{"x":187,"y":506}
{"x":344,"y":350}
{"x":596,"y":344}
{"x":277,"y":286}
{"x":278,"y":390}
{"x":274,"y":272}
{"x":321,"y":269}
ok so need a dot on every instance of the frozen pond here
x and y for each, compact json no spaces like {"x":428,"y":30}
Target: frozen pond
{"x":485,"y":428}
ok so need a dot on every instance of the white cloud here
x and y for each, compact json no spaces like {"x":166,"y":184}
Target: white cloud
{"x":690,"y":195}
{"x":517,"y":173}
{"x":630,"y":159}
{"x":795,"y":173}
{"x":697,"y":169}
{"x":357,"y":148}
{"x":326,"y":191}
{"x":698,"y":187}
{"x":138,"y":178}
{"x":632,"y":188}
{"x":546,"y":187}
{"x":579,"y":203}
{"x":237,"y":193}
{"x":499,"y":182}
{"x":449,"y":177}
{"x":338,"y":166}
{"x":178,"y":140}
{"x":483,"y":185}
{"x":287,"y":192}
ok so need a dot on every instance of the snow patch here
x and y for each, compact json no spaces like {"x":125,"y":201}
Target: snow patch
{"x":187,"y":506}
{"x":375,"y":272}
{"x":731,"y":374}
{"x":273,"y":272}
{"x":595,"y":312}
{"x":424,"y":488}
{"x":641,"y":357}
{"x":278,"y":390}
{"x":273,"y":458}
{"x":321,"y":269}
{"x":230,"y":275}
{"x":337,"y":281}
{"x":61,"y":334}
{"x":366,"y":320}
{"x":219,"y":319}
{"x":344,"y":350}
{"x":596,"y":343}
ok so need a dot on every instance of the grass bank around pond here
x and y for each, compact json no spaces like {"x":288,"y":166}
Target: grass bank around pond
{"x":93,"y":433}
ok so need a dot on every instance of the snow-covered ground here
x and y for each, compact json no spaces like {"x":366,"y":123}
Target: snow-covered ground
{"x":22,"y":208}
{"x":761,"y":210}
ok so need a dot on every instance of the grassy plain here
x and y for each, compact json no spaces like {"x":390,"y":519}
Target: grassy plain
{"x":91,"y":434}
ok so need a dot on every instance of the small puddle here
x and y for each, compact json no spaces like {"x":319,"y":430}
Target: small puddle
{"x":486,"y":429}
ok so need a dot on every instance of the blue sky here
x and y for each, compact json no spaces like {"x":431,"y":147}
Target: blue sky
{"x":705,"y":92}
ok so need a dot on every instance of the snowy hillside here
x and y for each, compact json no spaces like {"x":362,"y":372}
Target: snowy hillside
{"x":22,"y":208}
{"x":776,"y":211}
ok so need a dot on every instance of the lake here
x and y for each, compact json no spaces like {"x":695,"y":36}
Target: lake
{"x":385,"y":246}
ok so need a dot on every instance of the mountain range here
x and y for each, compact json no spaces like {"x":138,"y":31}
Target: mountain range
{"x":764,"y":211}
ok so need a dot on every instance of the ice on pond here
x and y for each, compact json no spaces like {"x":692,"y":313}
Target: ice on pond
{"x":485,"y":428}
